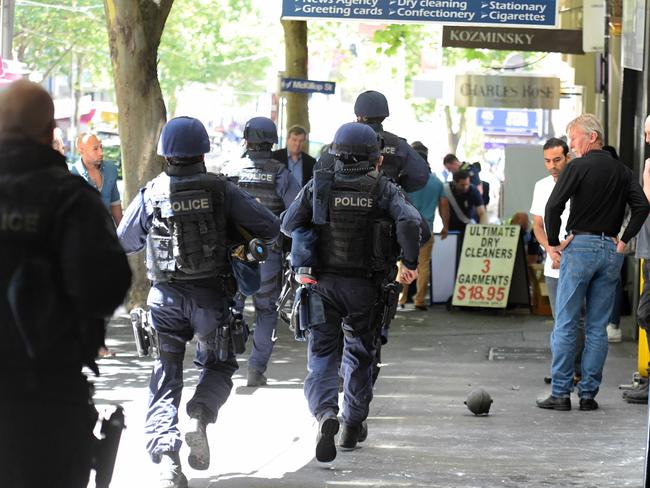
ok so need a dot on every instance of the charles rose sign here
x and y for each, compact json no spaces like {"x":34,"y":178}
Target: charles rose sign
{"x":504,"y":91}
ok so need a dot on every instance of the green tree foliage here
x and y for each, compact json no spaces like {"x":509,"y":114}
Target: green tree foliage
{"x":205,"y":41}
{"x":213,"y":42}
{"x":413,"y":39}
{"x":47,"y":32}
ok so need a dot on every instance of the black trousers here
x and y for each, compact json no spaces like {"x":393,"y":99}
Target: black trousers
{"x":45,"y":441}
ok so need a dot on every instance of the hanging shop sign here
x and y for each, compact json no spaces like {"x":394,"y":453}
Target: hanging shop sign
{"x":504,"y":91}
{"x":531,"y":13}
{"x":512,"y":39}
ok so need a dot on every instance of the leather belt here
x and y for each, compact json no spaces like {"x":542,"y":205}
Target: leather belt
{"x":588,"y":233}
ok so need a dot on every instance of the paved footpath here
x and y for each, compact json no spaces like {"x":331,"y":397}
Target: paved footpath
{"x":420,"y":433}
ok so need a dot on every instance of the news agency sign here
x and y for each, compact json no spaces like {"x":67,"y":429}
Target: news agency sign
{"x":530,"y":13}
{"x":297,"y":85}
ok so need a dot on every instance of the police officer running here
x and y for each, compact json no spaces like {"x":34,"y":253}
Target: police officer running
{"x":402,"y":163}
{"x":184,"y":217}
{"x":271,"y":183}
{"x":356,"y":213}
{"x":62,"y":273}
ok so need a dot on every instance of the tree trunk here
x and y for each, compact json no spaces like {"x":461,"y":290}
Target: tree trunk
{"x":453,"y":138}
{"x":77,"y":66}
{"x":134,"y":31}
{"x":297,"y":56}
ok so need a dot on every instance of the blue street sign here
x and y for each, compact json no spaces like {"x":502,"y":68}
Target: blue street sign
{"x":503,"y":121}
{"x":531,"y":13}
{"x":307,"y":86}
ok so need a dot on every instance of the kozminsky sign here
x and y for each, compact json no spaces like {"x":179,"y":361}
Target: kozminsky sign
{"x":506,"y":91}
{"x":512,"y":39}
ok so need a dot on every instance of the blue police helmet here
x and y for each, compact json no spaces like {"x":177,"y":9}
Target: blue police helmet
{"x":371,"y":104}
{"x":183,"y":137}
{"x":355,"y":139}
{"x":259,"y":130}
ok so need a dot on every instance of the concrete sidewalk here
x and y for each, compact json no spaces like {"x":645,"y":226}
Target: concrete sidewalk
{"x":420,"y":432}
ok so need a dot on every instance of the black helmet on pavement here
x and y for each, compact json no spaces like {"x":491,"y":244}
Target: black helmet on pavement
{"x":183,"y":137}
{"x":356,"y":141}
{"x":260,"y":130}
{"x":371,"y":104}
{"x":479,"y":401}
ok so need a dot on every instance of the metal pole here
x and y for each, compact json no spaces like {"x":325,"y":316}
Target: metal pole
{"x":645,"y":84}
{"x":8,"y":11}
{"x":605,"y":74}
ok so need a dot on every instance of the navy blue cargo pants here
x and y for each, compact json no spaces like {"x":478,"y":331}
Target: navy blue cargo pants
{"x":350,"y":305}
{"x":179,"y":311}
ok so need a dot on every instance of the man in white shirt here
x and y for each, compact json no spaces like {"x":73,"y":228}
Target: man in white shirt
{"x":556,"y":158}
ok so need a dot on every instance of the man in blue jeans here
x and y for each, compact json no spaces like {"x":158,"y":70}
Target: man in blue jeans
{"x":599,"y":188}
{"x":556,"y":158}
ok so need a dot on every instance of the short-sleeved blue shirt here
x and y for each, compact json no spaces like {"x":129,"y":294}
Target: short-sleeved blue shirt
{"x":109,"y":192}
{"x":426,"y":198}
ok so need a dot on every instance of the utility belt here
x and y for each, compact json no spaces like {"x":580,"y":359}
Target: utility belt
{"x":221,"y":283}
{"x":347,"y":272}
{"x":225,"y":284}
{"x":231,"y":336}
{"x":308,"y":311}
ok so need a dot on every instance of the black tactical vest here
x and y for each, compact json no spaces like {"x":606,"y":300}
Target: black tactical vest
{"x":35,"y":317}
{"x":393,"y":161}
{"x":345,"y":244}
{"x":260,"y":181}
{"x":187,"y":240}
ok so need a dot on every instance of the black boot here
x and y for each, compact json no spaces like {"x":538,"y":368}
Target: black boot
{"x":351,"y":434}
{"x":197,"y":440}
{"x":637,"y":395}
{"x":171,"y":474}
{"x":255,"y":378}
{"x":328,"y":426}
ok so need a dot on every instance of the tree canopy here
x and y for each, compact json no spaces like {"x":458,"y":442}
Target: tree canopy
{"x":47,"y":33}
{"x":204,"y":41}
{"x":213,"y":42}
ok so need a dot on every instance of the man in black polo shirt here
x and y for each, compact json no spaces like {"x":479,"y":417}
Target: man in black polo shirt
{"x":599,"y":187}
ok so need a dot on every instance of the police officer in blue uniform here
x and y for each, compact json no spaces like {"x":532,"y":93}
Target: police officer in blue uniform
{"x":401,"y":163}
{"x":62,"y":273}
{"x":271,"y":183}
{"x":184,"y":217}
{"x":358,"y":215}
